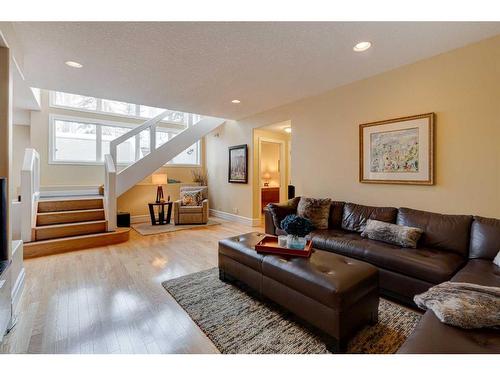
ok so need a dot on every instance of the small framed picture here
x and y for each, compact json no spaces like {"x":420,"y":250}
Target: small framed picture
{"x":238,"y":164}
{"x":397,"y":151}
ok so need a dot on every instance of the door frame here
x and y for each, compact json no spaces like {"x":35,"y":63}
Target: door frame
{"x":282,"y":168}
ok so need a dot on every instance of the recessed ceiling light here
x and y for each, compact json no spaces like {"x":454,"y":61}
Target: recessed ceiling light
{"x":235,"y":101}
{"x":288,"y":129}
{"x":362,"y":46}
{"x":74,"y":64}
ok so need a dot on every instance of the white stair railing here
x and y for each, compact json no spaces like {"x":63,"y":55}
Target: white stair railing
{"x":30,"y":192}
{"x":150,"y":124}
{"x":144,"y":167}
{"x":110,"y":192}
{"x":117,"y":183}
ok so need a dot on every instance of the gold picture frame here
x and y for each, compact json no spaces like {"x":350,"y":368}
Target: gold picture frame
{"x":397,"y":151}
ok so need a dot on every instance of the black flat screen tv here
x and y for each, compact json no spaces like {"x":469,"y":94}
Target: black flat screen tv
{"x":4,"y":252}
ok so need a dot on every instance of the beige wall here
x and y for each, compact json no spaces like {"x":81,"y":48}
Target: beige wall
{"x":134,"y":201}
{"x":461,"y":87}
{"x":224,"y":196}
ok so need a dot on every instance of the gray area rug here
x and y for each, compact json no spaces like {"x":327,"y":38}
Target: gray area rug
{"x":146,"y":229}
{"x":237,"y":323}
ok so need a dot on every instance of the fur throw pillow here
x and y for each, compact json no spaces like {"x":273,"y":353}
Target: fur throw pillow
{"x":497,"y":259}
{"x":391,"y":233}
{"x":463,"y":305}
{"x":316,"y":210}
{"x":191,"y":198}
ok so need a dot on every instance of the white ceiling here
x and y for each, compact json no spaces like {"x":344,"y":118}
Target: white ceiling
{"x":200,"y":67}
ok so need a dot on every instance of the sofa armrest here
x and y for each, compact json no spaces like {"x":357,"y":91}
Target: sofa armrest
{"x":177,"y":206}
{"x":268,"y":222}
{"x":274,"y":213}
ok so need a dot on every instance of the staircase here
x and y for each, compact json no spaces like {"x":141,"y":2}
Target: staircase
{"x":70,"y":224}
{"x":57,"y":225}
{"x":116,"y":183}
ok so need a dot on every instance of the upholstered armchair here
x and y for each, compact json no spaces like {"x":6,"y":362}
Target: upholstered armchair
{"x":192,"y":214}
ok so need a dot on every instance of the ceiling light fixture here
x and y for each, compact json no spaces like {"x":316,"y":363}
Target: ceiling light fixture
{"x":74,"y":64}
{"x":235,"y":101}
{"x":362,"y":46}
{"x":288,"y":129}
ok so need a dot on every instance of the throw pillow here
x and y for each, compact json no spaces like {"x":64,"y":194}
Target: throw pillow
{"x":497,"y":259}
{"x":316,"y":210}
{"x":463,"y":305}
{"x":191,"y":198}
{"x":281,"y":210}
{"x":392,"y":233}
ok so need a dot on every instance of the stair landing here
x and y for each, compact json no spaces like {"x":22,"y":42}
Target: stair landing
{"x":63,"y":245}
{"x":71,"y":223}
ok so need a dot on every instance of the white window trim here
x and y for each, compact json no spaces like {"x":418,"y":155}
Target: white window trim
{"x":51,"y":151}
{"x":52,"y":104}
{"x":198,"y":164}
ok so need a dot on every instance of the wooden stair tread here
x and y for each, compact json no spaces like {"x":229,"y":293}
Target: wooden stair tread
{"x":65,"y":217}
{"x":65,"y":244}
{"x":59,"y":205}
{"x":69,"y":225}
{"x":46,"y":232}
{"x":69,"y":212}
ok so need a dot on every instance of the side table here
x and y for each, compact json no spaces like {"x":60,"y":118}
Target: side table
{"x":160,"y":220}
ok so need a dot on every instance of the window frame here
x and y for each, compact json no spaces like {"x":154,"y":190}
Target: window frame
{"x":99,"y":111}
{"x":98,"y":124}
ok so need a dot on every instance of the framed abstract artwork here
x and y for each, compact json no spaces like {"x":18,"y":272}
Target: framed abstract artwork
{"x":238,"y":164}
{"x":397,"y":151}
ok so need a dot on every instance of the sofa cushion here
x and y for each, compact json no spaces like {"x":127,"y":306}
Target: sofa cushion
{"x":355,"y":216}
{"x":433,"y":337}
{"x":317,"y":210}
{"x":479,"y":271}
{"x":191,"y":209}
{"x":426,"y":264}
{"x":335,"y":218}
{"x":392,"y":233}
{"x":484,"y":238}
{"x":444,"y":232}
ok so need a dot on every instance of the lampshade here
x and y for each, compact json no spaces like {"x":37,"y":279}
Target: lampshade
{"x":266,"y":175}
{"x":160,"y":179}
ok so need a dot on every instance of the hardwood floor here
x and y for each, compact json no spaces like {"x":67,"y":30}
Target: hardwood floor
{"x":110,"y":299}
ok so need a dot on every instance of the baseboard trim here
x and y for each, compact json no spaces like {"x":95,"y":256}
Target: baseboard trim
{"x":236,"y":218}
{"x":215,"y":213}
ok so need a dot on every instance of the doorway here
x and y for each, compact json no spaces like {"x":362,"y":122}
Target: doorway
{"x":273,"y":165}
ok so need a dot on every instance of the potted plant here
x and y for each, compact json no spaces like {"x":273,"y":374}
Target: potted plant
{"x":297,"y":228}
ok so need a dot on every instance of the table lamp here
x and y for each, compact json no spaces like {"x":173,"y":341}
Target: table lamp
{"x":159,"y":179}
{"x":266,"y":176}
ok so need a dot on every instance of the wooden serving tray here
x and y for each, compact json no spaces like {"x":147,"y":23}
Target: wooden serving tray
{"x":269,"y":244}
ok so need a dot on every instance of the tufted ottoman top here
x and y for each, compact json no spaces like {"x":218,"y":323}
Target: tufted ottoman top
{"x":334,"y":280}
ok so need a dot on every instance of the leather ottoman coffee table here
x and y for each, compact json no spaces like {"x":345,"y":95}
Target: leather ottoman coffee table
{"x":336,"y":294}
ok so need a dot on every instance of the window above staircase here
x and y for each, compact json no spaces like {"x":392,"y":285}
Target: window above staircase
{"x":80,"y":139}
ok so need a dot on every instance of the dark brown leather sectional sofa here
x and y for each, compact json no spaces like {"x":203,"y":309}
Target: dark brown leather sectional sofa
{"x":453,"y":247}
